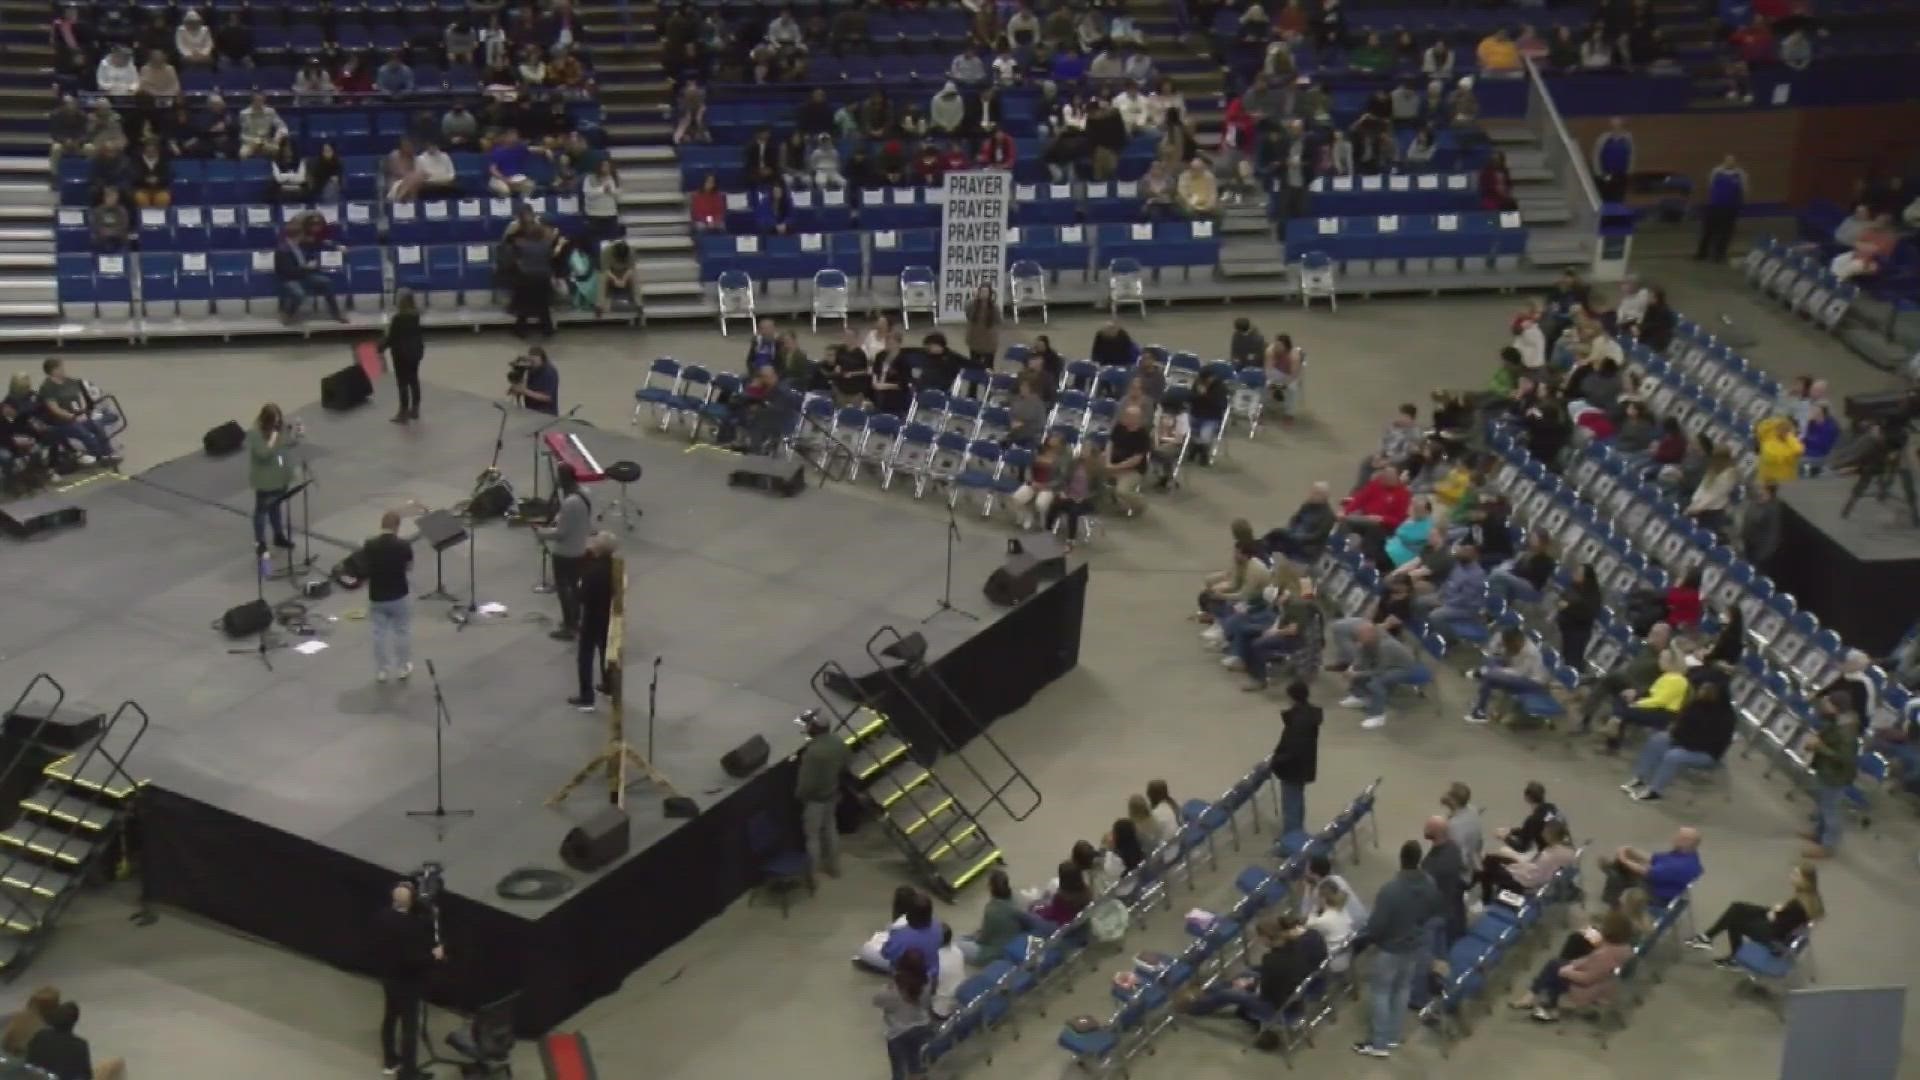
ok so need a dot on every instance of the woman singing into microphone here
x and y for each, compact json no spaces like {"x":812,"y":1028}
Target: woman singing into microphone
{"x":270,"y":476}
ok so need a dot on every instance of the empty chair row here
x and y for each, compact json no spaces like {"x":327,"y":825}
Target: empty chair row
{"x":254,"y":226}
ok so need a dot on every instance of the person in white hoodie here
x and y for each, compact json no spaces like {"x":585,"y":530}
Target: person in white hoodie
{"x":952,"y":968}
{"x":1334,"y":921}
{"x":117,"y":75}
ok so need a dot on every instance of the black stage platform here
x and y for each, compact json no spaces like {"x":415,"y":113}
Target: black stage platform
{"x":1860,"y":574}
{"x":277,"y":800}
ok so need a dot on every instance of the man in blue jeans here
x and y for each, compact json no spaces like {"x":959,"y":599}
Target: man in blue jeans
{"x":1293,"y":954}
{"x":1398,"y":931}
{"x":1519,"y":670}
{"x":64,"y":407}
{"x":1296,"y":759}
{"x":299,"y":278}
{"x":1836,"y":760}
{"x":1381,"y":663}
{"x":389,"y":599}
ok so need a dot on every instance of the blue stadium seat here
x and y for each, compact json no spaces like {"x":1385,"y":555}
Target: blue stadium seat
{"x":74,"y":277}
{"x":158,"y":300}
{"x":70,"y":232}
{"x":193,"y":285}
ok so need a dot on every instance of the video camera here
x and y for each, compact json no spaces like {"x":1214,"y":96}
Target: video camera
{"x":517,"y":371}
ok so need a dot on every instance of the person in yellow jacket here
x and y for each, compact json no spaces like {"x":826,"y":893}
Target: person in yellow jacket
{"x":1780,"y":450}
{"x":1657,"y":707}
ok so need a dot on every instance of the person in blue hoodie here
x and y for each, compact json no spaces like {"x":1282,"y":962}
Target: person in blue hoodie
{"x":772,"y":209}
{"x":922,"y":934}
{"x":1726,"y":194}
{"x":1613,"y":160}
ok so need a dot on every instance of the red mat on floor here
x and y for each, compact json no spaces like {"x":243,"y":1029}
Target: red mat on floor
{"x":566,"y":1057}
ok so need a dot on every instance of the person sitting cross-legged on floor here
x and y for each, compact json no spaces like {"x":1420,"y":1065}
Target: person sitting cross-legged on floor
{"x":1664,"y":875}
{"x":1588,"y":980}
{"x":1295,"y":627}
{"x":1773,"y":927}
{"x":1522,"y":872}
{"x":1519,"y":670}
{"x":1657,"y":708}
{"x":1380,"y":663}
{"x":1293,"y":954}
{"x":1698,"y":739}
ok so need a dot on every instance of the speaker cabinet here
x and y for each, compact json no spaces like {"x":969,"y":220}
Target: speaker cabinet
{"x":1030,"y":561}
{"x":746,"y":759}
{"x":224,"y":440}
{"x":597,"y":841}
{"x":246,"y":619}
{"x":773,"y":481}
{"x":346,"y":388}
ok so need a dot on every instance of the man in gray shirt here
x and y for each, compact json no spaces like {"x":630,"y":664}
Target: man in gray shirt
{"x":1380,"y":664}
{"x":816,"y":784}
{"x":566,"y":541}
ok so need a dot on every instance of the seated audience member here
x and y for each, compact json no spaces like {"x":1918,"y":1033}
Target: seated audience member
{"x":1664,"y":875}
{"x":1319,"y":872}
{"x":109,"y":222}
{"x":437,"y":176}
{"x":28,"y":1022}
{"x":1295,"y":626}
{"x":1305,"y":534}
{"x":1027,"y":413}
{"x":1378,"y":506}
{"x":1389,"y":612}
{"x":1634,"y":676}
{"x":1780,"y":450}
{"x":1239,"y":594}
{"x":1380,"y":663}
{"x":1333,"y":919}
{"x":1171,"y":432}
{"x":66,"y":1056}
{"x":1000,"y":923}
{"x":1411,"y":535}
{"x":1505,"y":868}
{"x":1773,"y":927}
{"x":1070,"y":896}
{"x":1523,"y":579}
{"x":1540,"y":812}
{"x":1588,"y":980}
{"x":1166,"y":812}
{"x":1197,"y":192}
{"x":299,"y":276}
{"x":1657,"y":708}
{"x":1033,"y":499}
{"x":869,"y":956}
{"x":1518,"y":670}
{"x":261,"y":128}
{"x":1210,"y":397}
{"x":1461,"y":595}
{"x":1698,"y":739}
{"x":1293,"y":953}
{"x":708,"y":206}
{"x":1683,"y":603}
{"x":507,"y":163}
{"x":1129,"y":452}
{"x":1123,"y":843}
{"x":921,"y":933}
{"x":67,"y":413}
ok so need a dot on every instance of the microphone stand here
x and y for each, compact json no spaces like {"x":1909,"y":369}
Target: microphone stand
{"x":260,"y":594}
{"x":306,"y":518}
{"x":653,"y":697}
{"x":944,"y":605}
{"x":442,"y":719}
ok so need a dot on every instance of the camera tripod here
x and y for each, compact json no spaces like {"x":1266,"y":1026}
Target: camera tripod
{"x":1881,"y":477}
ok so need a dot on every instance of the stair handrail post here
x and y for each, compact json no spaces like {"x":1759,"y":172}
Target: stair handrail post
{"x":1564,"y":155}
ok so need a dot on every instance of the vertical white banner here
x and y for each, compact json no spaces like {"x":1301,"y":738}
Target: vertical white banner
{"x":973,"y":239}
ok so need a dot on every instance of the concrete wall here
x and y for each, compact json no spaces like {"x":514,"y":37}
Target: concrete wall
{"x":1791,"y":155}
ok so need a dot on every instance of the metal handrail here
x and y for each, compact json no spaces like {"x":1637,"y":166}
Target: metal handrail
{"x":1539,"y":98}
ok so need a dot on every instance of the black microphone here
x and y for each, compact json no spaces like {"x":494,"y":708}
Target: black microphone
{"x":432,"y":674}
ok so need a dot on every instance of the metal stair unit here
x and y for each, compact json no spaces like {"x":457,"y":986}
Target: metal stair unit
{"x":66,"y":827}
{"x":926,"y":817}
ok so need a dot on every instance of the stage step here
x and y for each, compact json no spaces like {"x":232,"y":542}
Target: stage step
{"x":69,"y":807}
{"x":37,"y":879}
{"x":62,"y":848}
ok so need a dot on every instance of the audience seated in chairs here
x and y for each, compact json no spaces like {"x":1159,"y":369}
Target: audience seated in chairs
{"x":1295,"y":629}
{"x":1332,"y":917}
{"x":1517,"y":670}
{"x":1587,"y":979}
{"x":1002,"y":921}
{"x":871,"y":954}
{"x":1079,"y":487}
{"x":1377,"y":507}
{"x":1241,"y":592}
{"x":1032,"y":501}
{"x":1634,"y":676}
{"x":1773,"y":927}
{"x":1657,"y":708}
{"x":1304,"y":536}
{"x":50,"y":1042}
{"x":1506,"y":868}
{"x":1664,"y":875}
{"x":1293,"y":953}
{"x":1461,"y":595}
{"x":1698,"y":739}
{"x":1381,"y":662}
{"x":1523,"y":578}
{"x":1527,"y":835}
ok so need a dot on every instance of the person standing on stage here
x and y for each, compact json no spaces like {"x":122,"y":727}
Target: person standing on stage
{"x":538,"y":387}
{"x":406,"y":345}
{"x":404,"y":951}
{"x":389,"y":599}
{"x":270,"y":476}
{"x":596,"y":613}
{"x":566,"y":541}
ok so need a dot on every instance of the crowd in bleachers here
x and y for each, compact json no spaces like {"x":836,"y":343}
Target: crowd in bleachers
{"x":470,"y":118}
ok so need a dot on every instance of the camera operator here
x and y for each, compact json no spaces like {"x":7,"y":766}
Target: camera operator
{"x":404,"y":951}
{"x":535,"y":382}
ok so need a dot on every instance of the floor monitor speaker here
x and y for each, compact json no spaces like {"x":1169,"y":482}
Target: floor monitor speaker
{"x":744,"y":760}
{"x":225,"y":439}
{"x":346,"y":388}
{"x":246,"y":620}
{"x":597,"y":841}
{"x":1030,"y":561}
{"x":771,"y":479}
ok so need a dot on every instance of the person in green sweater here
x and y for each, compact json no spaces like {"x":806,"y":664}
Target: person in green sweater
{"x":1002,"y":921}
{"x":270,"y":475}
{"x":1835,"y":753}
{"x":816,"y":784}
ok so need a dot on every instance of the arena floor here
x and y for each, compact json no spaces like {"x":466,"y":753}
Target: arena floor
{"x":753,"y":994}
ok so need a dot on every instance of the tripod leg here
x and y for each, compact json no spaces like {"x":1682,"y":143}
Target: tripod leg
{"x":600,"y":761}
{"x":1859,"y":488}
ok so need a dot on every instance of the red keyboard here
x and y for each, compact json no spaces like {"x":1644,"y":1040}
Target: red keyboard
{"x":566,"y":446}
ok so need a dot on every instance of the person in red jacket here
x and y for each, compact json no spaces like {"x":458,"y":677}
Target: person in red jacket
{"x":1378,"y":506}
{"x":997,"y":151}
{"x":1683,"y":603}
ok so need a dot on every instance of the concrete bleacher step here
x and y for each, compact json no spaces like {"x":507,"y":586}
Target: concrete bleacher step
{"x":680,"y":289}
{"x":1509,"y":133}
{"x":668,"y":268}
{"x":1272,"y":265}
{"x":1544,"y":211}
{"x":28,"y":193}
{"x":29,"y":214}
{"x":657,"y":239}
{"x":30,"y":310}
{"x":20,"y":168}
{"x":653,"y":199}
{"x":26,"y":260}
{"x":654,"y":217}
{"x":1558,"y":247}
{"x":17,"y":288}
{"x":626,"y":154}
{"x":691,"y":309}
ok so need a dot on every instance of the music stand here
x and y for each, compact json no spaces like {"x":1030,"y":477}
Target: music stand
{"x":442,"y":529}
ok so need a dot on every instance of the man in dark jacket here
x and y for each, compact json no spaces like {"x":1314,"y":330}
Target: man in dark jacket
{"x":1636,"y":673}
{"x":1447,"y":866}
{"x":403,"y":952}
{"x":1296,"y":759}
{"x":1698,"y":739}
{"x":1293,"y":954}
{"x":1398,"y":926}
{"x":1247,"y":348}
{"x":1306,"y":532}
{"x":597,"y":587}
{"x":1539,"y":811}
